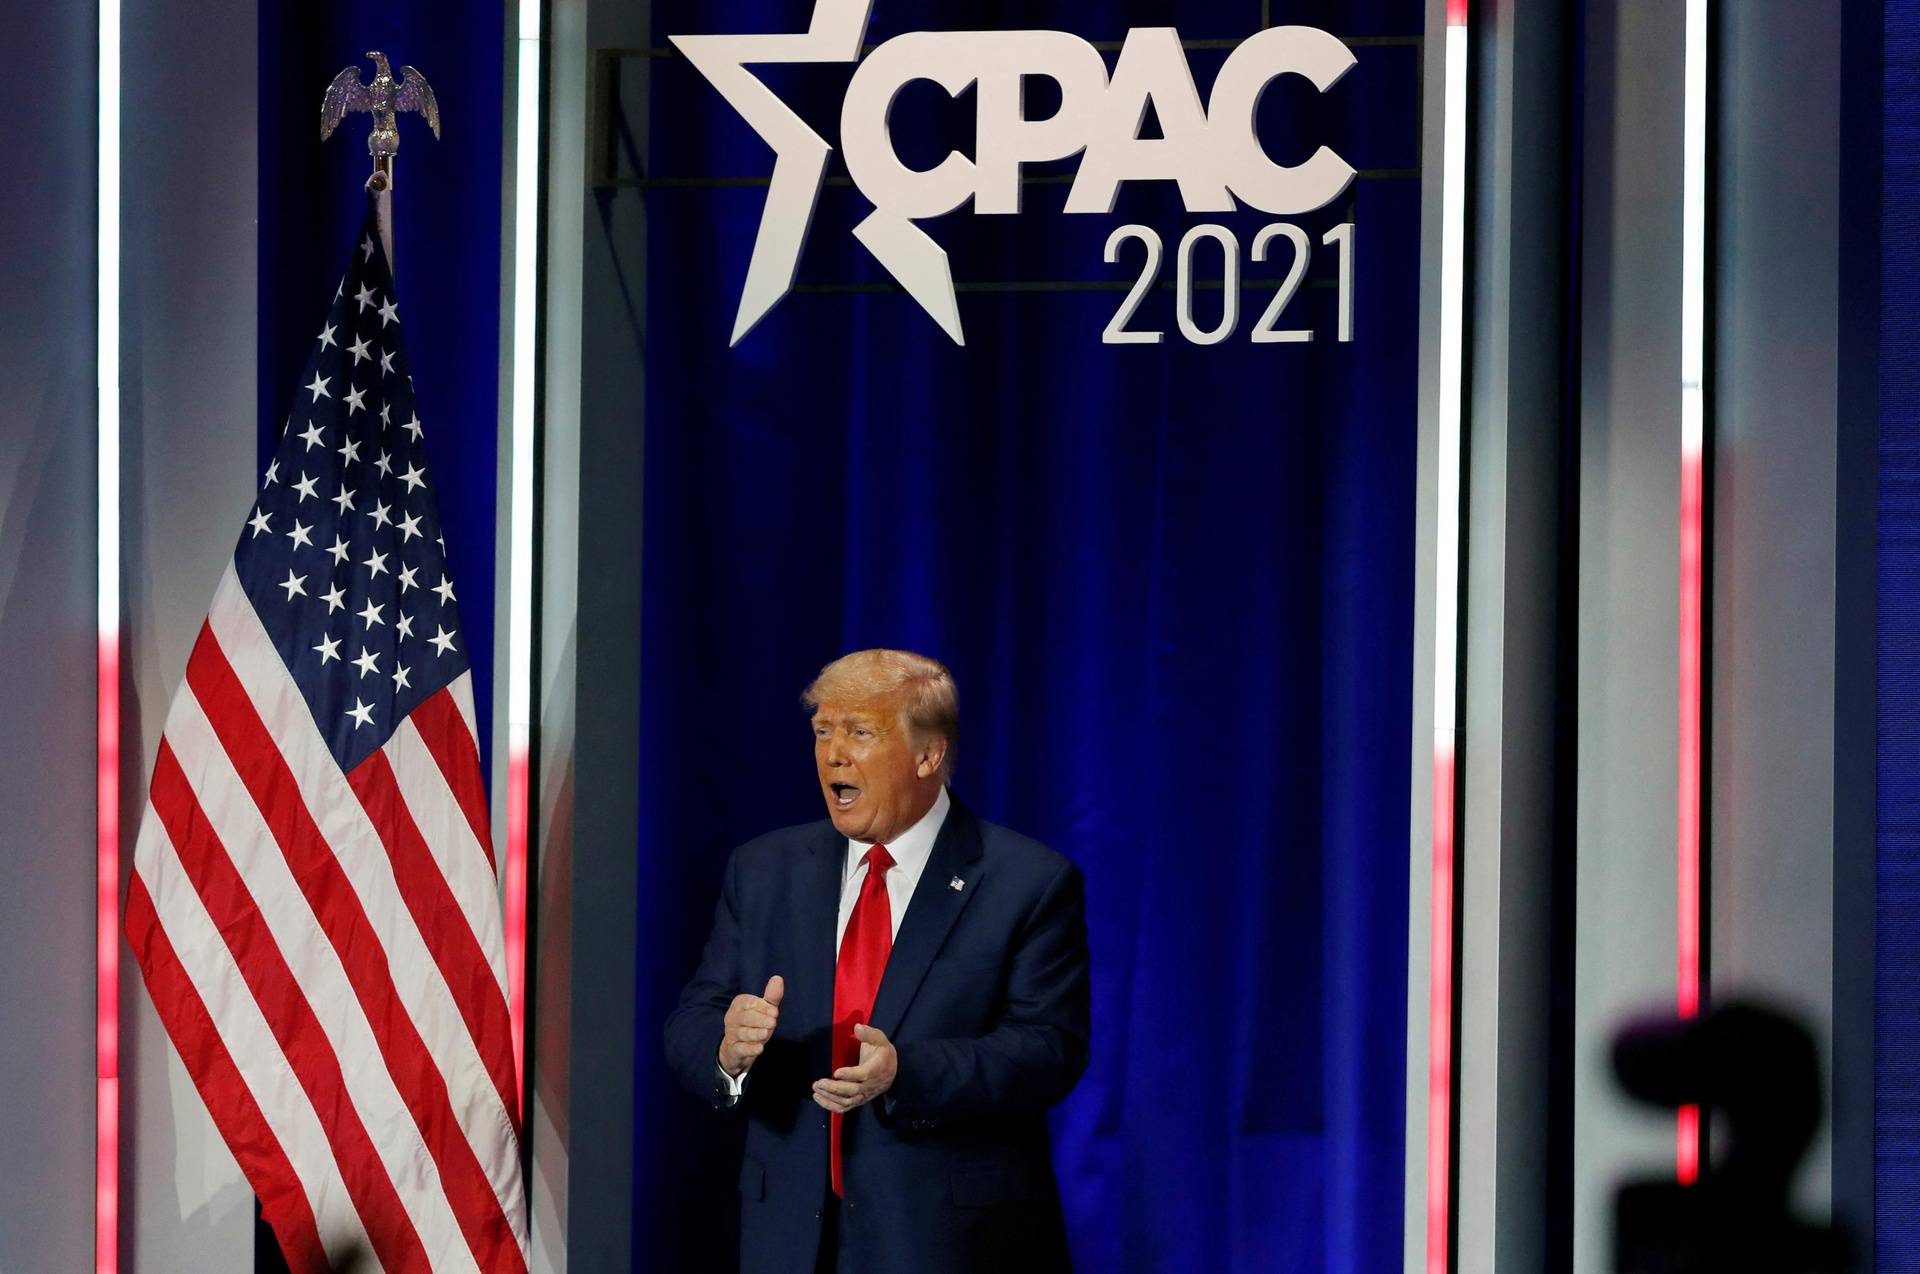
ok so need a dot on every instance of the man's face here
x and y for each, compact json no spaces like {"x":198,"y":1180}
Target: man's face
{"x":876,"y":782}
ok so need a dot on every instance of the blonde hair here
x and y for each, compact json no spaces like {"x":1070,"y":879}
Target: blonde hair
{"x":929,"y":701}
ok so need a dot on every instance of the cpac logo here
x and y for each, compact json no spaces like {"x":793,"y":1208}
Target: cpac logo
{"x":1211,"y":151}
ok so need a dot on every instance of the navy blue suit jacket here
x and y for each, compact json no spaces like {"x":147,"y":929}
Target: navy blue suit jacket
{"x":985,"y":996}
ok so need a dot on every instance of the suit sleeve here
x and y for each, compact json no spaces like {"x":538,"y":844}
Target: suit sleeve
{"x":1035,"y":1056}
{"x":693,"y":1030}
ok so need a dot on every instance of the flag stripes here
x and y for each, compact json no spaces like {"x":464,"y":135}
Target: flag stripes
{"x":314,"y":905}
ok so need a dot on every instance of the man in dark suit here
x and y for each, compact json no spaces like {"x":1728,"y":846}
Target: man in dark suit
{"x":923,"y":1002}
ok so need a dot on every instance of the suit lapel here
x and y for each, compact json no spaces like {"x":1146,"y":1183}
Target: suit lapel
{"x":817,"y":902}
{"x":930,"y":915}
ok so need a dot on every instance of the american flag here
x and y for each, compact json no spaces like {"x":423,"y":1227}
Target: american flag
{"x":313,"y":902}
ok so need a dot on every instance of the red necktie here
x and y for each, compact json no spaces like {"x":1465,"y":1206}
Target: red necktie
{"x":856,"y":978}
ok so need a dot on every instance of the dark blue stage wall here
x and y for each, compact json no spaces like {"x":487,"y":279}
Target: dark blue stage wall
{"x":1175,"y":585}
{"x":446,"y":216}
{"x":1897,"y":945}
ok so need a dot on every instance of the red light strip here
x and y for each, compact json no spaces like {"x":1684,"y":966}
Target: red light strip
{"x":1692,"y":497}
{"x":1440,"y":1018}
{"x":516,"y":908}
{"x":106,"y":1183}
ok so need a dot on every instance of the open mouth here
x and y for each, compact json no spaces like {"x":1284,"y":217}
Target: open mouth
{"x":844,"y":795}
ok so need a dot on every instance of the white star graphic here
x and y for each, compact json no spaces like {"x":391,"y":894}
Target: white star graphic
{"x":364,"y":296}
{"x":326,"y":337}
{"x":339,"y":550}
{"x":380,"y":516}
{"x":372,"y":614}
{"x":362,"y":713}
{"x":356,"y":400}
{"x":400,"y":678}
{"x":367,"y":662}
{"x":305,"y":487}
{"x":442,"y":640}
{"x":375,"y":564}
{"x":389,"y":313}
{"x":329,"y":648}
{"x":384,"y":418}
{"x":332,"y":598}
{"x":344,"y":499}
{"x":366,"y":248}
{"x":313,"y":435}
{"x":273,"y":473}
{"x":385,"y":463}
{"x":359,"y":351}
{"x":349,"y":451}
{"x":404,"y":625}
{"x":413,"y":426}
{"x":386,"y":362}
{"x":406,"y":578}
{"x":445,"y":589}
{"x":300,"y":535}
{"x":318,"y":388}
{"x":410,"y":525}
{"x":259,"y":522}
{"x":294,"y":584}
{"x":414,"y":477}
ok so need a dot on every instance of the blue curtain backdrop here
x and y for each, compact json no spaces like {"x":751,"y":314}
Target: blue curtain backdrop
{"x":1174,"y":584}
{"x":1897,"y":938}
{"x":446,"y":214}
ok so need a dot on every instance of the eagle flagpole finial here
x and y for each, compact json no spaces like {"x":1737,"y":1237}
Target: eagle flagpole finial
{"x":385,"y":99}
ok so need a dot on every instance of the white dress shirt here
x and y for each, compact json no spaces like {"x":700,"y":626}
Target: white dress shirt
{"x":910,"y":851}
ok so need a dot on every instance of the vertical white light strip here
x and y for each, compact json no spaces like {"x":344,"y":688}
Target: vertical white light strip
{"x":1446,"y":640}
{"x":1693,"y":287}
{"x":526,"y":238}
{"x":106,"y":1183}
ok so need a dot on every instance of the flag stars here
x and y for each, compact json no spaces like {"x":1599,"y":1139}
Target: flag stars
{"x":413,"y":426}
{"x":406,"y":578}
{"x":326,"y":337}
{"x":386,"y":362}
{"x":332,"y":597}
{"x":301,"y":535}
{"x":296,"y":585}
{"x":367,"y":662}
{"x":442,"y":640}
{"x":385,"y":463}
{"x":400,"y":678}
{"x":349,"y":451}
{"x":259,"y":522}
{"x":362,"y":713}
{"x":319,"y":388}
{"x":414,"y":477}
{"x":359,"y":351}
{"x":376,"y":563}
{"x":345,"y":498}
{"x":273,"y":473}
{"x":371,"y":615}
{"x":365,"y":297}
{"x":313,"y":433}
{"x":410,"y":526}
{"x":356,"y":400}
{"x":305,"y":487}
{"x":389,"y":313}
{"x":339,"y":550}
{"x":380,"y":515}
{"x":329,"y":649}
{"x":445,"y":589}
{"x":403,"y":626}
{"x":366,"y":248}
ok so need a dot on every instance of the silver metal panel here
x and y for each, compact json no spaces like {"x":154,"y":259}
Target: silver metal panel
{"x":1773,"y":506}
{"x":188,"y":402}
{"x":1629,"y":586}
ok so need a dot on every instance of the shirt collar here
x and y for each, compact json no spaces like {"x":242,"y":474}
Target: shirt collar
{"x":911,"y":848}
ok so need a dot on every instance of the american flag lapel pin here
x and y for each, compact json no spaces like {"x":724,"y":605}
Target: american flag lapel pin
{"x":956,"y":884}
